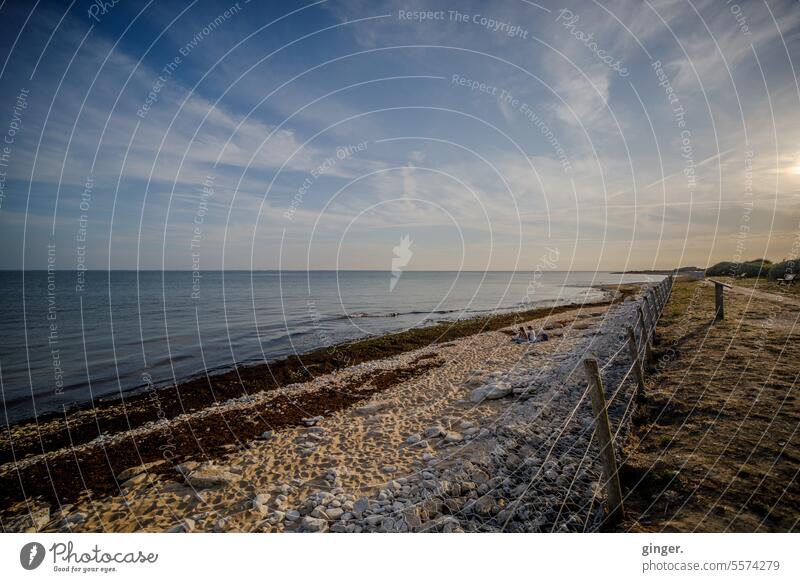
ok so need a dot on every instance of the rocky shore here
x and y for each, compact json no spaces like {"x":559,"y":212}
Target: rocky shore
{"x":474,"y":434}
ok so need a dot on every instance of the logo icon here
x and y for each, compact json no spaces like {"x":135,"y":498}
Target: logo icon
{"x":402,"y":256}
{"x":31,"y":555}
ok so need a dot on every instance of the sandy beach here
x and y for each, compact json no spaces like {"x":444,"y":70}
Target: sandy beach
{"x":474,"y":434}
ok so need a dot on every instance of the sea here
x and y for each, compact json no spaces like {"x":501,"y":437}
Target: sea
{"x":66,"y":341}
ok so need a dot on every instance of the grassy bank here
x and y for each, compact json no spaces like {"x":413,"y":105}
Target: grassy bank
{"x":715,"y":447}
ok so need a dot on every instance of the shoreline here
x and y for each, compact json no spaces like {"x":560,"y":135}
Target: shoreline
{"x":210,"y":387}
{"x":211,"y":431}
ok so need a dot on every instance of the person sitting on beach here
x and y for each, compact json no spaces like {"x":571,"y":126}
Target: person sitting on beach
{"x":543,"y":337}
{"x":531,"y":334}
{"x":521,"y":336}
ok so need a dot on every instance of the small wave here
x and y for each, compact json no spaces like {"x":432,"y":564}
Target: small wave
{"x":387,"y":314}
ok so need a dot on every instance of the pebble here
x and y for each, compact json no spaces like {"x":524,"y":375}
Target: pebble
{"x":360,"y":506}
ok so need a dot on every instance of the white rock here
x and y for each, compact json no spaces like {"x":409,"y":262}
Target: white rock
{"x":490,"y":392}
{"x":210,"y":477}
{"x":334,"y":513}
{"x":260,"y":502}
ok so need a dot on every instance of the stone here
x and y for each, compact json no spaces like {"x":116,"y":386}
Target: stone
{"x":133,"y":471}
{"x":433,"y":431}
{"x":76,"y":518}
{"x":292,"y":515}
{"x":312,"y":420}
{"x":360,"y":506}
{"x":388,"y":468}
{"x":334,"y":513}
{"x":372,"y":408}
{"x":210,"y":476}
{"x":413,"y":439}
{"x":260,"y":502}
{"x":483,"y":505}
{"x":187,"y":467}
{"x":276,"y":517}
{"x":453,"y":437}
{"x":411,"y":517}
{"x":138,"y":480}
{"x":313,"y":524}
{"x":490,"y":392}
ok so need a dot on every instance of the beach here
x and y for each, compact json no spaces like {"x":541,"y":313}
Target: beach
{"x":456,"y":429}
{"x":408,"y":422}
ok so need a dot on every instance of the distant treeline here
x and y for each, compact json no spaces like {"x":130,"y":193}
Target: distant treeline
{"x":754,"y":268}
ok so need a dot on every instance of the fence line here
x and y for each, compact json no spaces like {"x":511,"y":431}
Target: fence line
{"x":654,"y":301}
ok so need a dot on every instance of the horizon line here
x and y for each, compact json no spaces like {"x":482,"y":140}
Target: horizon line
{"x":344,"y":270}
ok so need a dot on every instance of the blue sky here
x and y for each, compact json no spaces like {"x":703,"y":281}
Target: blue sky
{"x":317,"y":135}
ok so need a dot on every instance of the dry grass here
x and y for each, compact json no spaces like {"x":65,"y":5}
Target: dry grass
{"x":717,"y":446}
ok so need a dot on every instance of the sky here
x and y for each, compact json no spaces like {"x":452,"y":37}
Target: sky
{"x":504,"y":135}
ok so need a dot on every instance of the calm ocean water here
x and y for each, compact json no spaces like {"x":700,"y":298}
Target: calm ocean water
{"x":59,"y":346}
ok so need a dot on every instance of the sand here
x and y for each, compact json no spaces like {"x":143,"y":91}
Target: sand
{"x":354,"y":451}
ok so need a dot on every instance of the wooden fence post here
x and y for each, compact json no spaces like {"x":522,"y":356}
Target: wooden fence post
{"x":651,"y":316}
{"x":719,"y":301}
{"x":638,"y":368}
{"x":648,"y":352}
{"x":614,"y":510}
